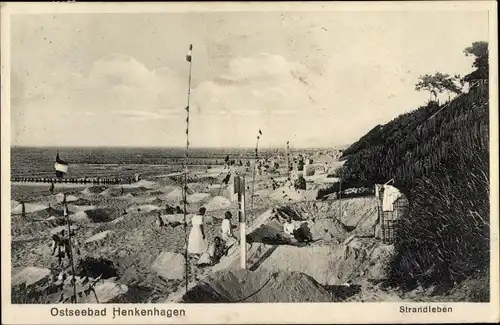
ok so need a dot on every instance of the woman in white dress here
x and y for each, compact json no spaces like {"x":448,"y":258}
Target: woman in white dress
{"x":197,"y":243}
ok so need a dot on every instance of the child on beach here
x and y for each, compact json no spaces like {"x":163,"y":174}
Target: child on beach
{"x":213,"y":253}
{"x":226,"y":227}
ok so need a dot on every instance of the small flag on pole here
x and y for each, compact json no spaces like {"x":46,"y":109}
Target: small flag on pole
{"x":188,"y":56}
{"x":61,"y":167}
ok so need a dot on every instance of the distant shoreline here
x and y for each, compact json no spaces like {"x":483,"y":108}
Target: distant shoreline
{"x":338,"y":147}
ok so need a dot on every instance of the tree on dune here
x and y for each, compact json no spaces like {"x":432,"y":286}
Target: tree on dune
{"x":479,"y":50}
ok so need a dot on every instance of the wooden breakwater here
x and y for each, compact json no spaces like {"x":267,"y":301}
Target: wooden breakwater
{"x":82,"y":180}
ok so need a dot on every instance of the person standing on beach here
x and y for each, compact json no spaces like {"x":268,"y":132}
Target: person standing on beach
{"x":226,"y":227}
{"x":23,"y":209}
{"x":197,"y":242}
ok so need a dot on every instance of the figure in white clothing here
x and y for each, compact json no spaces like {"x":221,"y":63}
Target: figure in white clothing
{"x":391,"y":194}
{"x":289,"y":227}
{"x":197,"y":243}
{"x":226,"y":227}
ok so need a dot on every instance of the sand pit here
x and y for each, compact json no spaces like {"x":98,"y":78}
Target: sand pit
{"x":93,"y":190}
{"x":266,"y":233}
{"x":359,"y":215}
{"x":247,"y":286}
{"x":327,"y":229}
{"x":102,"y":214}
{"x":217,"y":203}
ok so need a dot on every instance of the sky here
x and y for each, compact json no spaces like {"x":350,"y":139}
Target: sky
{"x":316,"y":79}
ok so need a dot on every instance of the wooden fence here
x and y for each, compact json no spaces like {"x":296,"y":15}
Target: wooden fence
{"x":389,"y":220}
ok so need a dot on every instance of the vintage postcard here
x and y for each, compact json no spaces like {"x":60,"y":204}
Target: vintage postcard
{"x":249,"y":163}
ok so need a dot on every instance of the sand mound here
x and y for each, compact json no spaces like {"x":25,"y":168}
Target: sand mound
{"x":217,"y":203}
{"x":286,"y":194}
{"x":117,"y":190}
{"x":99,"y":236}
{"x":176,"y":218}
{"x":29,"y":208}
{"x":107,"y":292}
{"x":168,"y":188}
{"x":59,"y":197}
{"x":329,"y":230}
{"x":313,"y":261}
{"x":197,"y":197}
{"x":143,"y":199}
{"x":357,"y":259}
{"x":174,"y":197}
{"x":93,"y":190}
{"x":147,"y":184}
{"x":170,"y":266}
{"x":112,"y":191}
{"x":247,"y":286}
{"x":76,"y":208}
{"x":30,"y":275}
{"x":80,"y":217}
{"x":57,"y":230}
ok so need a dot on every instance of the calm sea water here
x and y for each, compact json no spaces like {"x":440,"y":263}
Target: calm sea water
{"x":109,"y":162}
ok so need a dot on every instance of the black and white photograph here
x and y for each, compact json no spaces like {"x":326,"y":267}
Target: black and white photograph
{"x":249,"y":156}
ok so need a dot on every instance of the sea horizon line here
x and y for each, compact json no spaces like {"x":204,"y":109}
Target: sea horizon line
{"x":174,"y":147}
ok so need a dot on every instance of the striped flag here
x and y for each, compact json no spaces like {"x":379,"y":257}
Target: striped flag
{"x":61,"y":167}
{"x":188,"y":55}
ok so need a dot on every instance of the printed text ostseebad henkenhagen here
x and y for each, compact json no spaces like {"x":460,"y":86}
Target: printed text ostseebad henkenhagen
{"x":117,"y":312}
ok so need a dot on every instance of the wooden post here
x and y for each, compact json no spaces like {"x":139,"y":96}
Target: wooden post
{"x":340,"y":196}
{"x":239,"y":188}
{"x":243,"y":239}
{"x":73,"y":278}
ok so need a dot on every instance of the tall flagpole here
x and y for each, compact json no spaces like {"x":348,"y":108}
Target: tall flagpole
{"x":255,"y":164}
{"x":73,"y":278}
{"x":287,"y":159}
{"x":184,"y":192}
